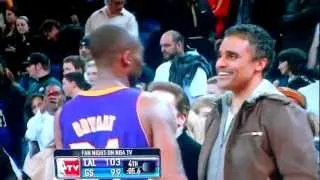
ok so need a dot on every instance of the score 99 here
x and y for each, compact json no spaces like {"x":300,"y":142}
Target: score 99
{"x":115,"y":172}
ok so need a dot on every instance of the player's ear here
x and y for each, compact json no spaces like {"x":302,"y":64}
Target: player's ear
{"x":126,"y":59}
{"x":181,"y":119}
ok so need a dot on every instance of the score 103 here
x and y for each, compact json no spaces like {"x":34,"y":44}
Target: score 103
{"x":93,"y":162}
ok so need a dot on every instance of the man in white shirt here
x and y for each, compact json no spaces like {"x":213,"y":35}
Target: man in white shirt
{"x":311,"y":93}
{"x":188,"y":70}
{"x":40,"y":132}
{"x":40,"y":126}
{"x":113,"y":13}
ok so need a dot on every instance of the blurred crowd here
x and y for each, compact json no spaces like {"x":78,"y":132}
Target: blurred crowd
{"x":45,"y":60}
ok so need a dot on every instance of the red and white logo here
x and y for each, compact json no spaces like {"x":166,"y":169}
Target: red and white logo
{"x":68,"y":167}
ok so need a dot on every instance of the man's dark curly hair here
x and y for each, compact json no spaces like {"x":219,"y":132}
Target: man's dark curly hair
{"x":258,"y":38}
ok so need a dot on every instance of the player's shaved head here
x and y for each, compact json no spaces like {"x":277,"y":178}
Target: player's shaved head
{"x":109,"y":41}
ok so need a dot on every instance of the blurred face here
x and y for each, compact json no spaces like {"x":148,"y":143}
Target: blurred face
{"x":116,"y":6}
{"x":204,"y":112}
{"x":52,"y":35}
{"x":92,"y":72}
{"x":36,"y":105}
{"x":53,"y":97}
{"x":85,"y":53}
{"x":68,"y":87}
{"x":32,"y":70}
{"x":10,"y":17}
{"x":22,"y":26}
{"x":68,"y":68}
{"x":283,"y":67}
{"x":136,"y":67}
{"x":236,"y":66}
{"x":200,"y":117}
{"x":169,"y":48}
{"x":214,"y":89}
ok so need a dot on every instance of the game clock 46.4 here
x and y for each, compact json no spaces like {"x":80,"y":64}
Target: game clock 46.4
{"x":133,"y":171}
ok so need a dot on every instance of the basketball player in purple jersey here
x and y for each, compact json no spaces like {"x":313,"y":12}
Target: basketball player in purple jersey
{"x":112,"y":115}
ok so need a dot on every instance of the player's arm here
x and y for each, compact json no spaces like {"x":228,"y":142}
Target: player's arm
{"x":57,"y":130}
{"x":156,"y":115}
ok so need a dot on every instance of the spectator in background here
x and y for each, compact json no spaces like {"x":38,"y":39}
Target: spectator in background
{"x":12,"y":126}
{"x":38,"y":67}
{"x":40,"y":134}
{"x":59,"y":42}
{"x":220,"y":9}
{"x":84,"y":50}
{"x":40,"y":126}
{"x":50,"y":29}
{"x":36,"y":103}
{"x":91,"y":72}
{"x":10,"y":20}
{"x":113,"y":13}
{"x":24,"y":41}
{"x":213,"y":87}
{"x":9,"y":43}
{"x":22,"y":24}
{"x":73,"y":83}
{"x":194,"y":20}
{"x":66,"y":36}
{"x":32,"y":105}
{"x":292,"y":63}
{"x":312,"y":95}
{"x":199,"y":114}
{"x":189,"y":148}
{"x":73,"y":63}
{"x":187,"y":70}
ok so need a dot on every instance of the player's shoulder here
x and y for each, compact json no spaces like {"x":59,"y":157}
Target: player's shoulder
{"x":148,"y":97}
{"x":152,"y":103}
{"x":71,"y":105}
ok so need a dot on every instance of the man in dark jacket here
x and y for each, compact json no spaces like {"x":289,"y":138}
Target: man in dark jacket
{"x":255,"y":132}
{"x":38,"y":67}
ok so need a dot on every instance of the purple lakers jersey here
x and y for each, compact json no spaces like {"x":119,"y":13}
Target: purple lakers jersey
{"x":4,"y":130}
{"x":103,"y":119}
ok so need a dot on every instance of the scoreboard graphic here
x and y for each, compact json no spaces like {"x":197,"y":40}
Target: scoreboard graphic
{"x":107,"y":163}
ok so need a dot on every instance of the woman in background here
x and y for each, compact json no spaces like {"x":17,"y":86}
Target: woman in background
{"x":292,"y":63}
{"x":23,"y":47}
{"x":9,"y":39}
